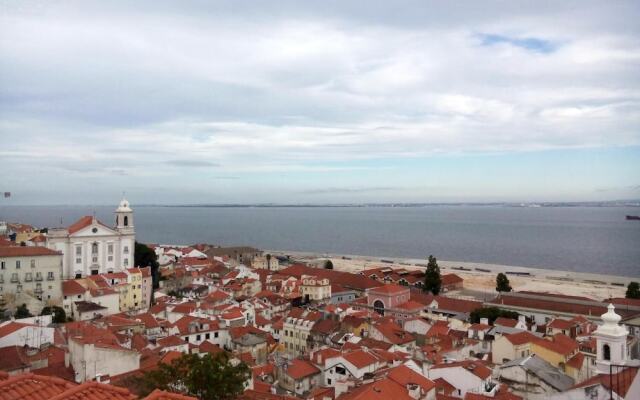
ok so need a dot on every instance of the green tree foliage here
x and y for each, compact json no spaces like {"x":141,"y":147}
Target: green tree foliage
{"x":22,"y":312}
{"x":211,"y":377}
{"x":328,"y":264}
{"x":502,"y":283}
{"x":633,"y":291}
{"x":146,"y":257}
{"x":432,"y":279}
{"x":492,"y":313}
{"x":59,"y":315}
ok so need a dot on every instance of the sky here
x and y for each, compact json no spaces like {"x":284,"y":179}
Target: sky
{"x":296,"y":102}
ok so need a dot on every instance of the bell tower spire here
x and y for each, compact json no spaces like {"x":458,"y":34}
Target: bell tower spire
{"x":611,"y":339}
{"x":124,"y":217}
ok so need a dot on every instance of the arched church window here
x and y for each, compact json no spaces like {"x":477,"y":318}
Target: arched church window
{"x":94,"y":248}
{"x":378,"y":306}
{"x":606,"y":352}
{"x":126,"y":220}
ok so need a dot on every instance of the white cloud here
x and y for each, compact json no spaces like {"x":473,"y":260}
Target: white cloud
{"x":99,"y":86}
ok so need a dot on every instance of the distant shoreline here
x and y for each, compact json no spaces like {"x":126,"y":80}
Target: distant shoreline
{"x":471,"y":267}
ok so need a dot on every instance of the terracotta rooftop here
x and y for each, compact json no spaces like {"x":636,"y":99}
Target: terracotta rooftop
{"x":32,"y":387}
{"x":621,"y":381}
{"x":164,"y":395}
{"x":299,"y":369}
{"x":390,"y":289}
{"x":95,"y":391}
{"x":26,"y":251}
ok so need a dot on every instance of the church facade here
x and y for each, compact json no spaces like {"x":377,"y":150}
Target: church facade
{"x":90,"y":247}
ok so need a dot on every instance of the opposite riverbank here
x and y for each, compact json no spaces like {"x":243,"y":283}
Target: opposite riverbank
{"x":479,"y":278}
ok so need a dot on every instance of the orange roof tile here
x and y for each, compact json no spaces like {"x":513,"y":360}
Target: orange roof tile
{"x":391,"y":289}
{"x":95,"y":391}
{"x":299,"y":369}
{"x":26,"y":251}
{"x":32,"y":387}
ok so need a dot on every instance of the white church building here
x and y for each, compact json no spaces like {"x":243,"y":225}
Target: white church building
{"x":90,"y":247}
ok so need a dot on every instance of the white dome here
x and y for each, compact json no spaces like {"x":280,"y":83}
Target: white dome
{"x":610,"y":317}
{"x":124,"y":206}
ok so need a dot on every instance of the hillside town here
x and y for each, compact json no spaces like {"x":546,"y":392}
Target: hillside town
{"x":82,"y":318}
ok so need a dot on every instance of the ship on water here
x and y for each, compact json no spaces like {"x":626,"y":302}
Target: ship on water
{"x":633,"y":218}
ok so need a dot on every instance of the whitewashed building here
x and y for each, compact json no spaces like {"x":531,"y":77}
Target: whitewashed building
{"x":91,"y":247}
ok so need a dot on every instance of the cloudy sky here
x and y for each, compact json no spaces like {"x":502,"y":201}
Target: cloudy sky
{"x":310,"y":102}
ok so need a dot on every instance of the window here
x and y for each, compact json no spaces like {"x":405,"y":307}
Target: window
{"x":19,"y":288}
{"x":78,"y":260}
{"x":50,"y":276}
{"x":126,"y":250}
{"x":215,"y":334}
{"x":33,"y":263}
{"x":109,"y":258}
{"x":606,"y":351}
{"x":14,"y":277}
{"x":17,"y":264}
{"x":198,"y":337}
{"x":78,"y":250}
{"x":126,"y":220}
{"x":28,"y":277}
{"x":2,"y":265}
{"x":110,"y":248}
{"x":126,"y":262}
{"x":94,"y":248}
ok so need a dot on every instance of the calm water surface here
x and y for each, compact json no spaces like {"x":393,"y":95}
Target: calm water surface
{"x":586,"y":239}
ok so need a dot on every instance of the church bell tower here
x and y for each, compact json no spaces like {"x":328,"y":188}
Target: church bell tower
{"x":124,"y":218}
{"x":611,"y":338}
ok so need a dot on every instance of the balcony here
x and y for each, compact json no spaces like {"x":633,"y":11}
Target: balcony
{"x":28,"y":278}
{"x":38,"y":278}
{"x":51,"y":277}
{"x":14,"y":279}
{"x":38,"y":291}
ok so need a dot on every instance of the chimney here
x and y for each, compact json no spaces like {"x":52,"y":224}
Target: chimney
{"x":484,"y":321}
{"x":413,"y":390}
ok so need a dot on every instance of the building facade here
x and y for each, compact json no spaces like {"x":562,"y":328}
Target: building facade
{"x":90,"y":247}
{"x":35,"y":271}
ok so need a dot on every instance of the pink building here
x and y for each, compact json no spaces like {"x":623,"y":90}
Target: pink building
{"x":387,"y":296}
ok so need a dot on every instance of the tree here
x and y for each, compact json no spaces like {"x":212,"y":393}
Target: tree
{"x":22,"y":312}
{"x":211,"y":377}
{"x":633,"y":291}
{"x":59,"y":316}
{"x":145,"y":257}
{"x":328,"y":264}
{"x":491,"y":313}
{"x":502,"y":283}
{"x":432,"y":279}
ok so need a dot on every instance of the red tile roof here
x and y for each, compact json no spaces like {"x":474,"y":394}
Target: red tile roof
{"x":619,"y":382}
{"x":390,"y":289}
{"x":405,"y":375}
{"x":451,"y":279}
{"x":83,"y":223}
{"x":32,"y":387}
{"x":11,"y":327}
{"x":360,"y":358}
{"x":521,"y":338}
{"x":352,"y":281}
{"x":299,"y":369}
{"x":383,"y":389}
{"x":26,"y":251}
{"x":95,"y":391}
